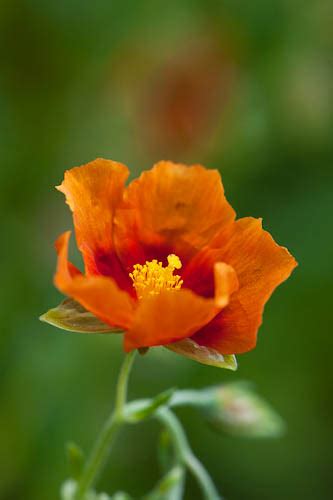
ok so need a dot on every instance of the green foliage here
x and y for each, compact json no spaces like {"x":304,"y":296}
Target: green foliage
{"x":141,"y":409}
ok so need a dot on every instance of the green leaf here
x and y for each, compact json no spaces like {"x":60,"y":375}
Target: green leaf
{"x":238,"y":410}
{"x":75,"y":458}
{"x":71,"y":316}
{"x":202,"y":354}
{"x":141,"y":409}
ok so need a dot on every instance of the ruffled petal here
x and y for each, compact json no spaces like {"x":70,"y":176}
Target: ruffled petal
{"x":93,"y":191}
{"x":171,"y":207}
{"x":176,"y":314}
{"x":261,"y":265}
{"x":167,"y":317}
{"x":98,"y":294}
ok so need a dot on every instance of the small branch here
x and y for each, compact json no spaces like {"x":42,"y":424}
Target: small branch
{"x":185,"y":454}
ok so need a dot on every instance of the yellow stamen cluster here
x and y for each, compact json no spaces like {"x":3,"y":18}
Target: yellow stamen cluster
{"x":151,"y":278}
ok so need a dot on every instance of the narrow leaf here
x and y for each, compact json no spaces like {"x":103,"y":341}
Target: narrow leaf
{"x":141,"y":409}
{"x":71,"y":316}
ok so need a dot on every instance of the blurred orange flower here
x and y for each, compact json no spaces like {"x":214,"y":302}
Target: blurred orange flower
{"x":165,"y":260}
{"x":187,"y":99}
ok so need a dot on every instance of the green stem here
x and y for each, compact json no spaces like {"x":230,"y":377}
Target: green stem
{"x":122,"y":384}
{"x":192,"y":397}
{"x":102,"y":446}
{"x":185,"y":454}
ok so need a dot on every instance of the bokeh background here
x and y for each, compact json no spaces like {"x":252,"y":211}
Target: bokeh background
{"x":245,"y":87}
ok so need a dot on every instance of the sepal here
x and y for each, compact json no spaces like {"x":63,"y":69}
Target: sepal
{"x":71,"y":316}
{"x":205,"y":355}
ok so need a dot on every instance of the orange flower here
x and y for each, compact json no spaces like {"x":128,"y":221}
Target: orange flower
{"x":166,"y":261}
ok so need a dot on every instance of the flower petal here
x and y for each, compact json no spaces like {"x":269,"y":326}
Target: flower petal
{"x":171,"y":207}
{"x":93,"y":191}
{"x":176,"y":314}
{"x":98,"y":294}
{"x":226,"y":283}
{"x":261,"y":265}
{"x":167,"y":317}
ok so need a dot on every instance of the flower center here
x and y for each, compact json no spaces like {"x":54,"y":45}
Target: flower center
{"x":151,"y":277}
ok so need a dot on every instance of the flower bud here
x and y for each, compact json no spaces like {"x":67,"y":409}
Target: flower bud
{"x":238,"y":410}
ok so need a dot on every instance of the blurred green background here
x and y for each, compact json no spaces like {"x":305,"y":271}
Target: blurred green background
{"x":245,"y":87}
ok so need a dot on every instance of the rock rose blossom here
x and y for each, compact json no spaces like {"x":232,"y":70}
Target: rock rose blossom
{"x":166,"y":261}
